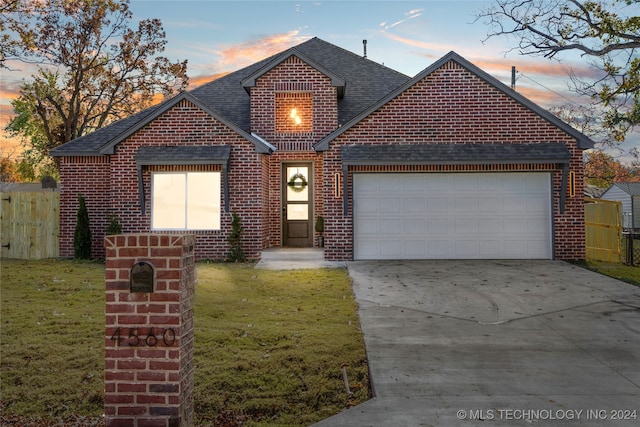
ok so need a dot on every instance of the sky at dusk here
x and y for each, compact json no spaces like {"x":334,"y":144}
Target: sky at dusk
{"x":217,"y":37}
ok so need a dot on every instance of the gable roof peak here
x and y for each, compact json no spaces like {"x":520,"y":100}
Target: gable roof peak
{"x":336,"y":80}
{"x":584,"y":142}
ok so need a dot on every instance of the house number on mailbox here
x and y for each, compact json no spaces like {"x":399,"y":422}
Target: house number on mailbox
{"x":151,"y":340}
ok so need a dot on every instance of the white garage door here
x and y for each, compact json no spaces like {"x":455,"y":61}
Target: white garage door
{"x":452,"y":216}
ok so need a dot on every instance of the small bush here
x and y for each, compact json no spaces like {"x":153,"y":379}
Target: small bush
{"x":82,"y":234}
{"x":235,"y":254}
{"x":114,"y":227}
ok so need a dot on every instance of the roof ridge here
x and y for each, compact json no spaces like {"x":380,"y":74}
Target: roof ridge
{"x":357,"y":56}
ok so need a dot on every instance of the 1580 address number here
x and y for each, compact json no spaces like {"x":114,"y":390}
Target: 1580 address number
{"x":134,"y":338}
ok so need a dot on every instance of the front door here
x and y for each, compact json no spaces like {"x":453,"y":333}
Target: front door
{"x":297,"y":206}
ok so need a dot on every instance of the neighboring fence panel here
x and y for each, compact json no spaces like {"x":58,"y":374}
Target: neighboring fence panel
{"x":631,"y":249}
{"x":603,"y":230}
{"x":30,"y":224}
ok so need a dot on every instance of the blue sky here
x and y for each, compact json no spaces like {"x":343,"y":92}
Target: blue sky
{"x":218,"y":37}
{"x":221,"y":36}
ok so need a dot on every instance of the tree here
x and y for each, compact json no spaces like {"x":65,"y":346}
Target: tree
{"x":599,"y":30}
{"x":602,"y":170}
{"x":92,"y":68}
{"x":82,"y":233}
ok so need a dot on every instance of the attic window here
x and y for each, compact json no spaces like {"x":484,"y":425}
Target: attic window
{"x":294,"y":112}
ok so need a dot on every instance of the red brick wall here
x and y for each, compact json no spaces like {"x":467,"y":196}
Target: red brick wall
{"x":149,"y":338}
{"x":109,"y":183}
{"x":291,"y":77}
{"x":450,"y":106}
{"x":89,"y":176}
{"x":453,"y":106}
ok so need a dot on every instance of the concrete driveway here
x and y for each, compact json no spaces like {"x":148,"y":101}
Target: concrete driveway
{"x":496,"y":343}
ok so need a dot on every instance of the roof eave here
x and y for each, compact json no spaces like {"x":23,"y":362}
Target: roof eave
{"x":73,"y":153}
{"x":512,"y":161}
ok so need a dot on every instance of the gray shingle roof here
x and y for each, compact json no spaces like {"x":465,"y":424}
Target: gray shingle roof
{"x":367,"y":86}
{"x":365,"y":83}
{"x":455,"y":154}
{"x":631,"y":188}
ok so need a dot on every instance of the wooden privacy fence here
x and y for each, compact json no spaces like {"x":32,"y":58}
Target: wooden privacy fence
{"x":603,"y":221}
{"x":29,"y":224}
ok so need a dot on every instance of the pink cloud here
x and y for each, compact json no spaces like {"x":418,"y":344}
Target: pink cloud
{"x":443,"y":48}
{"x":236,"y":56}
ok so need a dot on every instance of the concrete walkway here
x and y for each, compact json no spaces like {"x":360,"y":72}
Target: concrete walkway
{"x":295,"y":258}
{"x":496,"y":343}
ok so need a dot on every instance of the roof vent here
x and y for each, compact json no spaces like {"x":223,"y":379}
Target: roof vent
{"x":364,"y":44}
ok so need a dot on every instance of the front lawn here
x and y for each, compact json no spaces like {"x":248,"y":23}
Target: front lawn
{"x":270,"y":345}
{"x":626,"y":273}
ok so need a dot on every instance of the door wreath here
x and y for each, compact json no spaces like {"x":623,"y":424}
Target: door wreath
{"x":297,"y":182}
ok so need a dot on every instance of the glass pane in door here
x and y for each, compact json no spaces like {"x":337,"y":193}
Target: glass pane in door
{"x":297,"y":184}
{"x":298,"y":212}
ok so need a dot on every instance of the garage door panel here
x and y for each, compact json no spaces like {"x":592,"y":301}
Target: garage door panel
{"x":534,"y":225}
{"x":456,"y":215}
{"x":414,"y":226}
{"x":438,"y":204}
{"x":513,"y":205}
{"x":460,"y":183}
{"x":489,"y":205}
{"x":367,"y":205}
{"x":437,"y":184}
{"x":436,"y":226}
{"x":489,"y":226}
{"x":390,"y":205}
{"x":415,"y":249}
{"x":390,"y":226}
{"x":466,"y":248}
{"x":415,"y":205}
{"x":464,"y":226}
{"x":466,"y":204}
{"x":537,"y":204}
{"x":513,"y":226}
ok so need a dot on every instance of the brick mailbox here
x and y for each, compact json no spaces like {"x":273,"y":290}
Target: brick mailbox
{"x":150,"y":283}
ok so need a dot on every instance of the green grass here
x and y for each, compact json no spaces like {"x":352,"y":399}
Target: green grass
{"x":270,"y":345}
{"x":626,"y":273}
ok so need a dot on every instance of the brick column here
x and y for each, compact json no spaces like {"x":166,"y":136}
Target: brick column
{"x":149,"y":365}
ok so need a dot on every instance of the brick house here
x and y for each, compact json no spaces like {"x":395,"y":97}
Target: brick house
{"x":448,"y":164}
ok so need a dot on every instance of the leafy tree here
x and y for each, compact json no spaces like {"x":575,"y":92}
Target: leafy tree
{"x":82,"y":233}
{"x":602,"y":170}
{"x":9,"y":170}
{"x":605,"y":32}
{"x":92,"y":68}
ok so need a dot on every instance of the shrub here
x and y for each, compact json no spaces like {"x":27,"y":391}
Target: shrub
{"x":235,"y":254}
{"x":114,"y":226}
{"x":82,"y":234}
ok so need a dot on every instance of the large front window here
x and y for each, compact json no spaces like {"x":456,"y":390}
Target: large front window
{"x":185,"y":200}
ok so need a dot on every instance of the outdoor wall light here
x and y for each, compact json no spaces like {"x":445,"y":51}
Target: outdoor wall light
{"x":294,"y":115}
